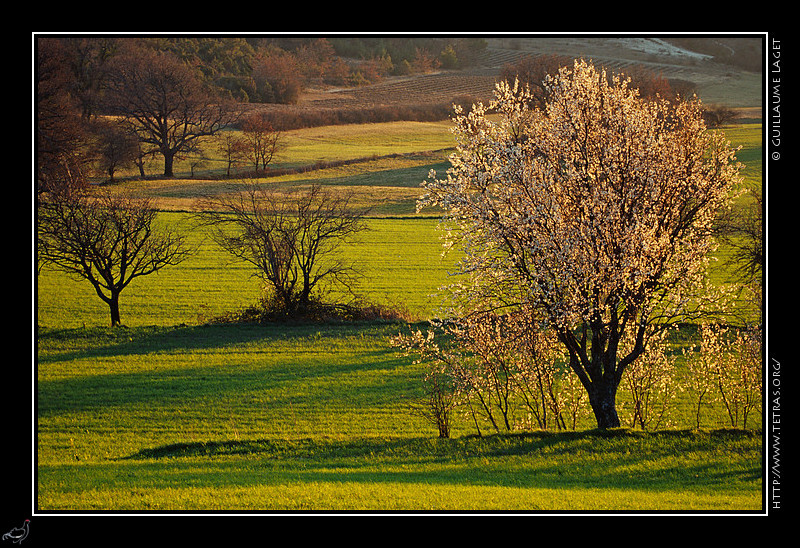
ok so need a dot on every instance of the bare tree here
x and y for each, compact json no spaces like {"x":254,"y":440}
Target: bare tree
{"x":719,"y":115}
{"x":233,"y":149}
{"x":532,"y":71}
{"x":261,"y":140}
{"x":108,"y":240}
{"x":164,"y":102}
{"x":742,"y":228}
{"x":294,"y":239}
{"x":115,"y":147}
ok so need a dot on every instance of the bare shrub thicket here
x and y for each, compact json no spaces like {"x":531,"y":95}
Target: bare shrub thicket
{"x":495,"y":370}
{"x":293,"y":240}
{"x":298,"y":118}
{"x":725,"y":373}
{"x":651,"y":384}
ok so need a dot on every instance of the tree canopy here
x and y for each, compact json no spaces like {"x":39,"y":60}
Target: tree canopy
{"x":593,"y":213}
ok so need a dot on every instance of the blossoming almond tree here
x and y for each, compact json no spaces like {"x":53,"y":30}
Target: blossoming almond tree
{"x":595,"y":211}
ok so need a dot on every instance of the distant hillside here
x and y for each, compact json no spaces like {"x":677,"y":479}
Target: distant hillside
{"x":721,"y":71}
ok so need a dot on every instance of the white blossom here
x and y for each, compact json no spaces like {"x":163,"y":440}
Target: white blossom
{"x":595,"y":211}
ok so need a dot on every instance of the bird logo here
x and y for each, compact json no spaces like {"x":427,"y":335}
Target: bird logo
{"x":18,"y":534}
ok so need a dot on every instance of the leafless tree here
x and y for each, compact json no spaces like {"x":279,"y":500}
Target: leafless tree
{"x":115,"y":146}
{"x":108,"y":239}
{"x":260,"y":140}
{"x":532,"y":71}
{"x":233,"y":149}
{"x":164,"y":102}
{"x":742,"y":228}
{"x":293,"y":239}
{"x":718,"y":115}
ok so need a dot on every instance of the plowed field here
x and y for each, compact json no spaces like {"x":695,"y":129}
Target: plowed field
{"x":477,"y":83}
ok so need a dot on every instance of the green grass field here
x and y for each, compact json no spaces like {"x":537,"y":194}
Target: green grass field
{"x":173,"y":413}
{"x":317,"y":418}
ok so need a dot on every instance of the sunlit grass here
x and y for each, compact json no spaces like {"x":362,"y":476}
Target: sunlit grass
{"x":400,"y":261}
{"x":172,"y":413}
{"x":107,"y":393}
{"x":304,"y":147}
{"x":627,"y":471}
{"x":308,"y":146}
{"x":316,"y":417}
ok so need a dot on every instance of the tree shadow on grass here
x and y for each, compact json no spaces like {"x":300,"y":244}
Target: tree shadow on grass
{"x":121,"y":341}
{"x":518,"y":444}
{"x":592,"y":459}
{"x":287,"y":354}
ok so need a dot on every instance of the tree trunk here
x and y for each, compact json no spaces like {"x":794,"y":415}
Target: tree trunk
{"x":113,"y":305}
{"x":140,"y":164}
{"x":602,"y":398}
{"x":169,"y":160}
{"x":599,"y":380}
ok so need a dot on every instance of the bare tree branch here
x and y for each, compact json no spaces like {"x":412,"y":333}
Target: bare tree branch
{"x":294,"y":240}
{"x":108,"y":240}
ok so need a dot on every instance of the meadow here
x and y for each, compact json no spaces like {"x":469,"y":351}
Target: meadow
{"x":177,"y":412}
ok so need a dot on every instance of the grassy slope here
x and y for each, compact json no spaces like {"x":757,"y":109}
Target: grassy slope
{"x":533,"y":472}
{"x":310,"y":417}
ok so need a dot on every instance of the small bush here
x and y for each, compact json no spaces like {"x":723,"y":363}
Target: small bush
{"x":270,"y":309}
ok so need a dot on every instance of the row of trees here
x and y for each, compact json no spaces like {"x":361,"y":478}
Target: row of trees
{"x":264,"y":69}
{"x":165,"y":96}
{"x":293,"y":241}
{"x":154,"y":102}
{"x":276,"y":69}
